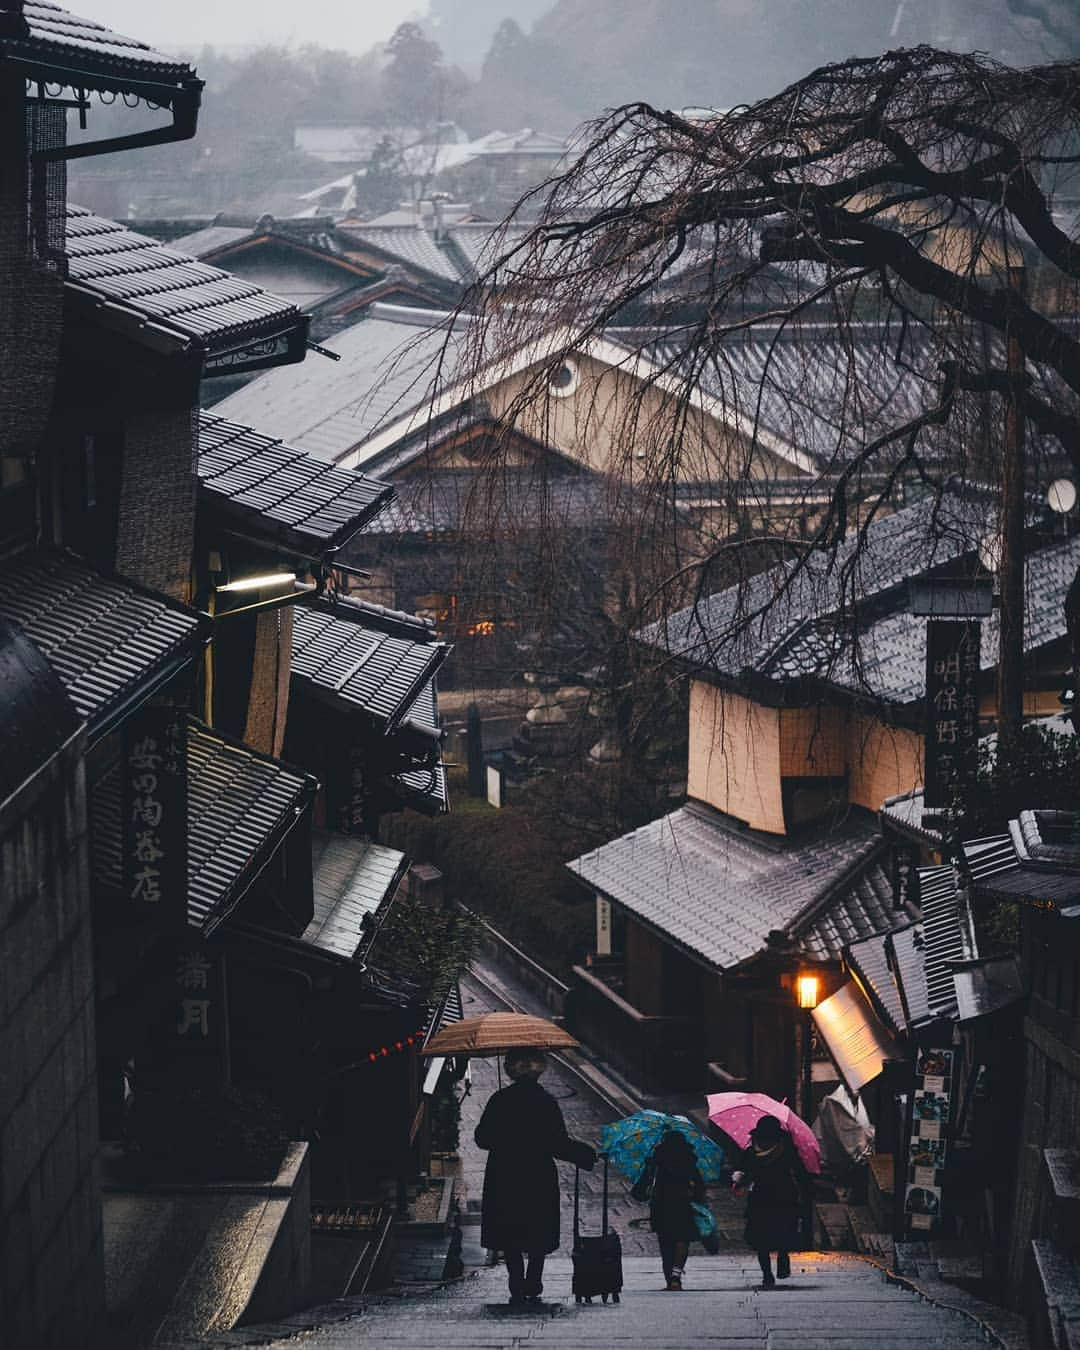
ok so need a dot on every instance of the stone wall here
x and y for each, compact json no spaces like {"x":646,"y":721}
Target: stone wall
{"x":51,"y":1268}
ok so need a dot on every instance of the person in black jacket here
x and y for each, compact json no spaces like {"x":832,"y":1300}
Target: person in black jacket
{"x":676,"y":1182}
{"x":522,"y":1128}
{"x":778,"y":1183}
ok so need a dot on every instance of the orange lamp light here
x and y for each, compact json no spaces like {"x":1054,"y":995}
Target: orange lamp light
{"x":806,"y":988}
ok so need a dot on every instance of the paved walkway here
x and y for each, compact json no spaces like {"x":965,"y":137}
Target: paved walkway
{"x":834,"y":1302}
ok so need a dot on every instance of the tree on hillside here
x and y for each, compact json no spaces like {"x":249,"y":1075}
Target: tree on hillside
{"x":891,"y":205}
{"x":416,"y":84}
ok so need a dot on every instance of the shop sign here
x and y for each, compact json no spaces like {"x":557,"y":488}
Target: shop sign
{"x":952,"y":708}
{"x":154,"y":805}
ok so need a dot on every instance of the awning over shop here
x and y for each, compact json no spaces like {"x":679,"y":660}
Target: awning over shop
{"x":111,"y":643}
{"x":354,"y":878}
{"x":858,"y":1042}
{"x":277,"y":493}
{"x":370,"y":661}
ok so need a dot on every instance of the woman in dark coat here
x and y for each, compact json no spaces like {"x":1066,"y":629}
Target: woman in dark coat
{"x":676,"y":1182}
{"x":778,"y":1183}
{"x":522,"y":1128}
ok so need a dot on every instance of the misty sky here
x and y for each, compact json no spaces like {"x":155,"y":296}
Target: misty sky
{"x":353,"y":24}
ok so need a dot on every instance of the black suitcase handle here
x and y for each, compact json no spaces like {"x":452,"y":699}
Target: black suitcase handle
{"x":577,"y":1201}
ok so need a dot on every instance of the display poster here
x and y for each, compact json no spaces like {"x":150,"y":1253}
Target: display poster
{"x":927,"y":1149}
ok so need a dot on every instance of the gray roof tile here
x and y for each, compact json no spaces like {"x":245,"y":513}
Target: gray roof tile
{"x":719,"y":891}
{"x":341,"y":651}
{"x":330,"y":407}
{"x":784,"y":624}
{"x":869,"y":961}
{"x":861,"y":909}
{"x":353,"y":878}
{"x":424,"y":789}
{"x":240,"y":806}
{"x":57,"y":34}
{"x":411,"y":244}
{"x":102,"y":636}
{"x":279,"y":490}
{"x":191,"y":300}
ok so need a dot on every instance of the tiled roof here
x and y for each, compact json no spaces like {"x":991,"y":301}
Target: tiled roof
{"x":353,"y":878}
{"x":946,"y":937}
{"x":410,"y":244}
{"x":387,"y":367}
{"x":453,"y":501}
{"x":784,"y":624}
{"x":906,"y":950}
{"x":344,"y":654}
{"x":164,"y":294}
{"x":102,"y":636}
{"x":869,"y":962}
{"x":796,"y":384}
{"x":210,"y":239}
{"x":278,"y":490}
{"x":719,"y":891}
{"x":860,"y":909}
{"x":240,"y":807}
{"x":55,"y":34}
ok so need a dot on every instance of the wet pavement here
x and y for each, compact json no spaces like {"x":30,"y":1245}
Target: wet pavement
{"x":832,"y":1302}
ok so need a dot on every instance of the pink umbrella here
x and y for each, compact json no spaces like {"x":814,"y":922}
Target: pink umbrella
{"x":736,"y":1113}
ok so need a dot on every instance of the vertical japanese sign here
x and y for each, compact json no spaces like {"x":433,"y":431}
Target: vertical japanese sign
{"x":952,"y":708}
{"x":930,"y":1115}
{"x":199,"y":1020}
{"x":154,"y":806}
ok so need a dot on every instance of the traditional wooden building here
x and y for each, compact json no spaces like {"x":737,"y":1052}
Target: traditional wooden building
{"x":798,"y":734}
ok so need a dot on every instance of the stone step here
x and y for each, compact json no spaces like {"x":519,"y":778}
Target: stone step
{"x":833,"y":1301}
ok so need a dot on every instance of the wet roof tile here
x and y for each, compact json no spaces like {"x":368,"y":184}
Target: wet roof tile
{"x":103,"y":636}
{"x":193,"y":302}
{"x":281,"y":491}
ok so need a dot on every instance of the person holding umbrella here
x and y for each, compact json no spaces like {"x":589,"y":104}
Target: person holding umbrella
{"x":777,"y":1183}
{"x":523,"y":1131}
{"x":676,"y":1184}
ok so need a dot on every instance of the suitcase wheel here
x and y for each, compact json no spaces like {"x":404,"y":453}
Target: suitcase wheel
{"x":614,"y":1298}
{"x":577,"y":1298}
{"x":603,"y":1298}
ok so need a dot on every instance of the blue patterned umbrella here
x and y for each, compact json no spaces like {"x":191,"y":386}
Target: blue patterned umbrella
{"x":629,"y":1143}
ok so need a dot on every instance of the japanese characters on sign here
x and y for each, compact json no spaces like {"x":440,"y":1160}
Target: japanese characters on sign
{"x":154,"y":805}
{"x":952,"y":708}
{"x":931,"y":1106}
{"x":197,"y":1025}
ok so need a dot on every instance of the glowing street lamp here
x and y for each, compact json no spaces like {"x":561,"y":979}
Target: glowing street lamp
{"x":807,"y":988}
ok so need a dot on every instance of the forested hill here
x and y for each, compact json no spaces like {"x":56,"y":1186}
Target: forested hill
{"x":579,"y":57}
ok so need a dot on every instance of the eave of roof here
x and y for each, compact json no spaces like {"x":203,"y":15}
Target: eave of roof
{"x":166,"y":300}
{"x":355,"y":665}
{"x":277,"y":493}
{"x":241,"y":807}
{"x":354,"y":879}
{"x":85,"y":54}
{"x":111,"y":642}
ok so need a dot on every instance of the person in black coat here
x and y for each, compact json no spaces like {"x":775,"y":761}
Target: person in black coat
{"x":523,"y":1131}
{"x":676,"y":1182}
{"x":778,"y":1184}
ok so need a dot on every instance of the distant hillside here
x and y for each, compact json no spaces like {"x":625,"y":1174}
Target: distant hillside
{"x":580,"y":57}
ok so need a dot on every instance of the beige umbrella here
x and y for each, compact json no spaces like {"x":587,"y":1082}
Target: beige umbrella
{"x":494,"y":1033}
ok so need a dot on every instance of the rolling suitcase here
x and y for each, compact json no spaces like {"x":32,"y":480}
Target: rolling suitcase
{"x":597,"y":1260}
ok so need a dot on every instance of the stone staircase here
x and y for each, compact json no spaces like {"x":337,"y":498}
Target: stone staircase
{"x":833,"y":1302}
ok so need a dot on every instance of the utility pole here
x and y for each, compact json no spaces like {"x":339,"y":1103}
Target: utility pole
{"x":1010,"y":674}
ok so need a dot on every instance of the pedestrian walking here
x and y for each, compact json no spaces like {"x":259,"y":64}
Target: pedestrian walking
{"x":523,"y":1131}
{"x":675,"y":1184}
{"x":777,"y":1184}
